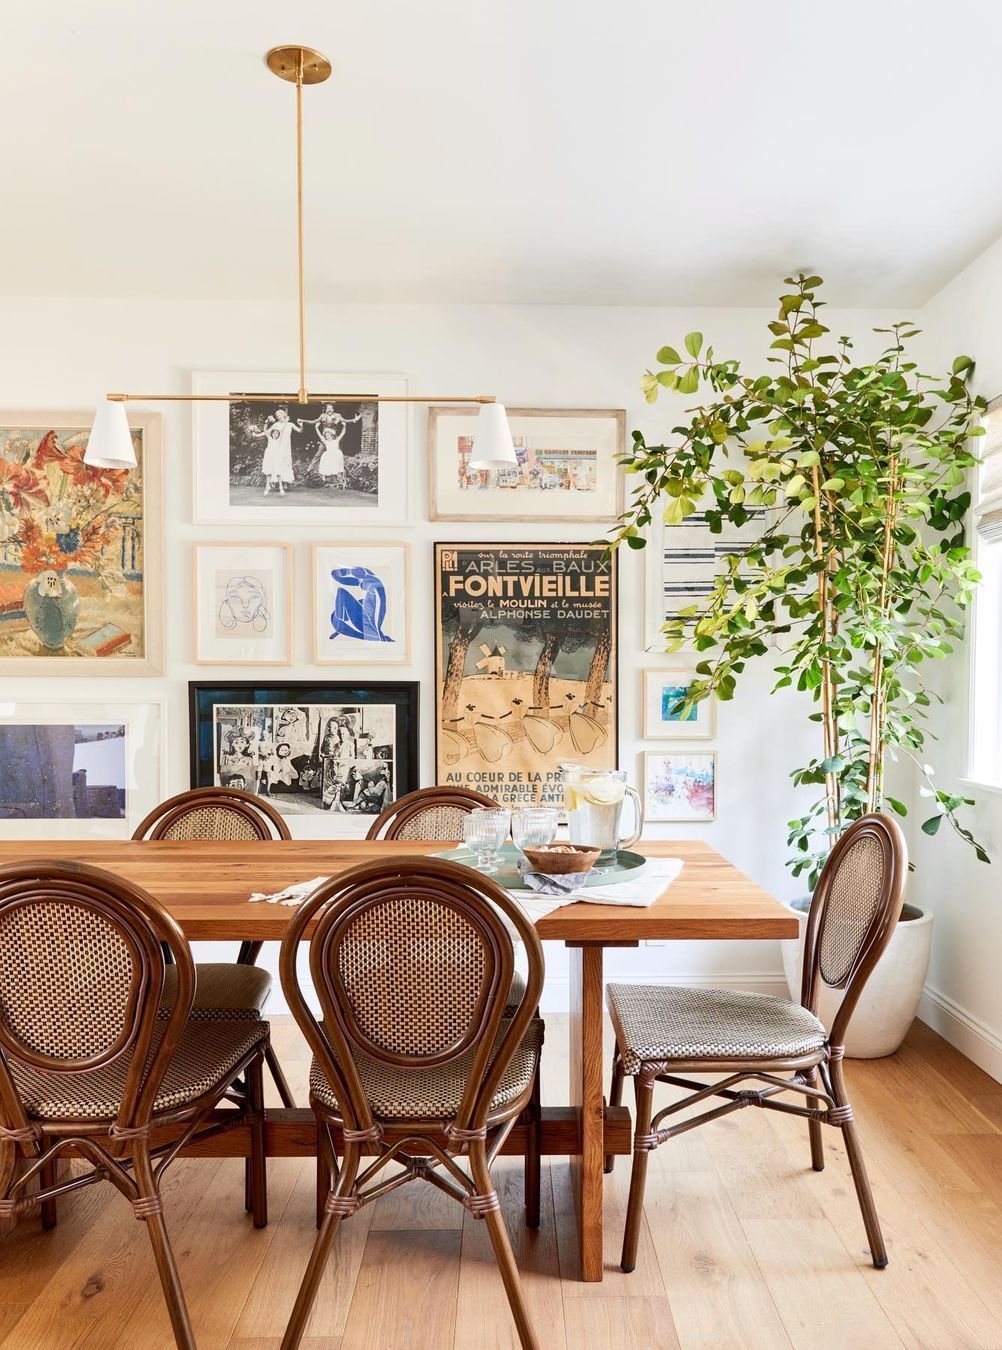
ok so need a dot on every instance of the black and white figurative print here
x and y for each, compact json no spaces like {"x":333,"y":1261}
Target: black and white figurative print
{"x":308,"y":758}
{"x":685,"y":561}
{"x":295,"y":455}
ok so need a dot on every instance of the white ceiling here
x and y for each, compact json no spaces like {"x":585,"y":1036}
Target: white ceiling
{"x":548,"y":151}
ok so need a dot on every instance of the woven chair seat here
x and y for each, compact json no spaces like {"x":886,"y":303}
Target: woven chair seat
{"x":663,"y":1022}
{"x":433,"y":1094}
{"x":223,"y":991}
{"x":206,"y":1054}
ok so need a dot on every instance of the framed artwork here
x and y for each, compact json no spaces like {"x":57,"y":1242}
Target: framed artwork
{"x":683,"y":562}
{"x":79,"y":769}
{"x":329,"y":757}
{"x":567,"y":467}
{"x":525,"y":666}
{"x":361,"y":605}
{"x":243,"y":604}
{"x":664,"y":692}
{"x":81,"y":588}
{"x":282,"y":462}
{"x":680,"y":785}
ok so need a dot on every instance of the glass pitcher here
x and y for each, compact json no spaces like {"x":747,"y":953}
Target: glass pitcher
{"x":593,"y":802}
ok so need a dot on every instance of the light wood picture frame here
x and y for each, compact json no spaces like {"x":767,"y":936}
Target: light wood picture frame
{"x":363,"y":616}
{"x":680,"y":785}
{"x":663,"y":689}
{"x":81,"y":550}
{"x":242,"y":610}
{"x":568,"y":466}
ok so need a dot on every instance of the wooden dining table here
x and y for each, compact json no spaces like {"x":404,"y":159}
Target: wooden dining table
{"x":206,"y":885}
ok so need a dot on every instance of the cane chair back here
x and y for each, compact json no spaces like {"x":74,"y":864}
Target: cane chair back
{"x":217,"y":813}
{"x":412,"y":962}
{"x":82,"y":978}
{"x":429,"y":814}
{"x":854,"y":910}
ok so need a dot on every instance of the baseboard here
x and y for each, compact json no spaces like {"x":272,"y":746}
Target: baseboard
{"x":556,"y":991}
{"x":968,"y":1033}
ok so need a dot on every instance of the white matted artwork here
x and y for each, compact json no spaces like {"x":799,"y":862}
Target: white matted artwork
{"x":271,"y":460}
{"x":79,"y":769}
{"x":567,"y":466}
{"x":683,"y":563}
{"x":361,"y":607}
{"x":664,"y":715}
{"x":243,"y":604}
{"x":680,"y":785}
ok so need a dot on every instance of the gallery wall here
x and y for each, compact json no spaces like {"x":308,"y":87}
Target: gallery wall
{"x":64,"y":355}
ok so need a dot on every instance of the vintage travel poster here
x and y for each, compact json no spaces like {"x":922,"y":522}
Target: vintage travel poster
{"x":525,"y":666}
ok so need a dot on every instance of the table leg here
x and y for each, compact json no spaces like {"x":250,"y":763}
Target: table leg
{"x":586,"y":1067}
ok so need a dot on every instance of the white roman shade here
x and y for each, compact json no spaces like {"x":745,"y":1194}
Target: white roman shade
{"x":988,"y":502}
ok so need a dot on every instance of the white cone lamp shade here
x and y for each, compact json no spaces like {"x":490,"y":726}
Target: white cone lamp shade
{"x":110,"y":444}
{"x":492,"y":445}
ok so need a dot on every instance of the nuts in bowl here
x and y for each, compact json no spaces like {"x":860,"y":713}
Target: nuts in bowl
{"x":559,"y":859}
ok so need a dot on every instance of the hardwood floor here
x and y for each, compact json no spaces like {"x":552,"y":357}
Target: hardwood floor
{"x":742,"y":1244}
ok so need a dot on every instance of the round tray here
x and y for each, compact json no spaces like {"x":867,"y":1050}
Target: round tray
{"x":508,"y":875}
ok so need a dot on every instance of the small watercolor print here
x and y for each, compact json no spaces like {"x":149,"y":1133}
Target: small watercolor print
{"x":680,"y":787}
{"x":672,"y":698}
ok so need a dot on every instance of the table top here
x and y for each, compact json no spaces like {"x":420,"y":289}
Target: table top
{"x":206,"y":885}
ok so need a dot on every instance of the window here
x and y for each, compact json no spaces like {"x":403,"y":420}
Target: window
{"x":985,"y":759}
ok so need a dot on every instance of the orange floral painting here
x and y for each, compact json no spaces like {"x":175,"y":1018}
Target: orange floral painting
{"x":72,"y":548}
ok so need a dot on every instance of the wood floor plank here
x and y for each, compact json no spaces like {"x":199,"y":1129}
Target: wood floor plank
{"x":416,"y":1205}
{"x":621,"y":1322}
{"x":821,"y":1295}
{"x":713,"y":1282}
{"x":976,"y":1087}
{"x":483,"y":1320}
{"x":218,"y":1254}
{"x":406,"y":1292}
{"x":273,"y":1293}
{"x":645,"y":1279}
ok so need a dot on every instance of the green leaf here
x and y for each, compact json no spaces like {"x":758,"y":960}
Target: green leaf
{"x":668,"y":356}
{"x":931,"y":826}
{"x":693,"y":344}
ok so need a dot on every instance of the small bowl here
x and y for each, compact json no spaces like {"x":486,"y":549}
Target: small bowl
{"x":569,"y":858}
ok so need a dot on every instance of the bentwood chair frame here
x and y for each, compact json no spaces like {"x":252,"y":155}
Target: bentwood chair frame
{"x":121,"y":1150}
{"x":262,"y":821}
{"x":400,"y":818}
{"x":337,"y":916}
{"x":817,"y":1076}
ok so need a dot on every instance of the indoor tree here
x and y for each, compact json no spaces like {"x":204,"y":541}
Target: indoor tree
{"x":860,"y":574}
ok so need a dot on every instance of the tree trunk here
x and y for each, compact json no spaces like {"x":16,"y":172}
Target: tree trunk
{"x":454,"y":671}
{"x":596,"y":676}
{"x":541,"y":677}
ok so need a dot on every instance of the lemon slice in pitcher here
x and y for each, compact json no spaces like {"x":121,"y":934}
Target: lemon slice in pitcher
{"x":603,"y":791}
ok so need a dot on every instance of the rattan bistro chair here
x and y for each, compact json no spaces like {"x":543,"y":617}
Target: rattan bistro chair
{"x":429,"y":814}
{"x":223,"y":989}
{"x":417,"y":1059}
{"x":664,"y":1033}
{"x":89,"y":1060}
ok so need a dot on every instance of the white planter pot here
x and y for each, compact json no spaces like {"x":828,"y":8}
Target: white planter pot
{"x":891,"y":996}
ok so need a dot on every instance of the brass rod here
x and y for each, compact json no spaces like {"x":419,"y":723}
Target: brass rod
{"x":299,"y":226}
{"x":293,"y":398}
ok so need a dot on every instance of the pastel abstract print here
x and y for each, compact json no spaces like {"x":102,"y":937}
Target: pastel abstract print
{"x":680,"y":786}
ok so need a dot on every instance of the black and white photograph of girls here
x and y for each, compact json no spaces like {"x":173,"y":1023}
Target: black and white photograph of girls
{"x":308,"y":758}
{"x":290,"y":454}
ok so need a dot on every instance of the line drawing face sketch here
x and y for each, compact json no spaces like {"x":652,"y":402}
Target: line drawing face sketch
{"x":359,"y":605}
{"x":244,"y":604}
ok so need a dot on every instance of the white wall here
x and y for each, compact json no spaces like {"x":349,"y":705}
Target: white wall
{"x":63,"y":355}
{"x":963,"y":994}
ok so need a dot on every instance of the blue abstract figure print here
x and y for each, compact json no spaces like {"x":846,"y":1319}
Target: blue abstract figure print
{"x":359,"y":605}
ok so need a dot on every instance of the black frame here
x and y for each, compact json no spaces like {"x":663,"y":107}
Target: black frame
{"x":404,"y":695}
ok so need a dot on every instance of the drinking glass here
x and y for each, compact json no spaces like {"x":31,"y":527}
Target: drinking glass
{"x":484,"y":833}
{"x":533,"y":826}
